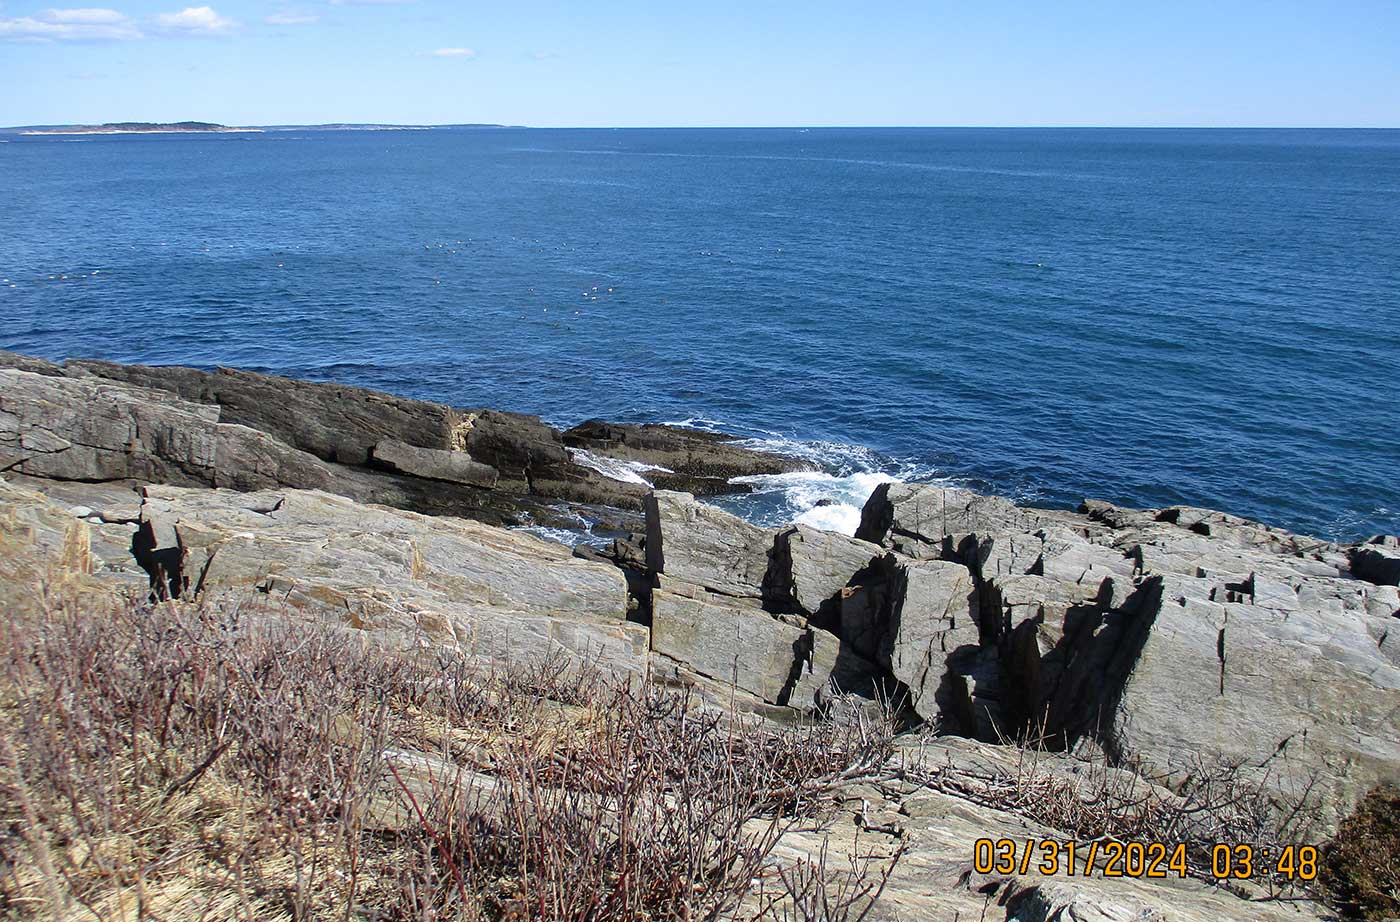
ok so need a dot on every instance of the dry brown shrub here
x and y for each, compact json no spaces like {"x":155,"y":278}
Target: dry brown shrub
{"x":1361,"y":865}
{"x":223,"y":760}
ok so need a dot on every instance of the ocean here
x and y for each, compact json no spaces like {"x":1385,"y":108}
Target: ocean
{"x":1147,"y":317}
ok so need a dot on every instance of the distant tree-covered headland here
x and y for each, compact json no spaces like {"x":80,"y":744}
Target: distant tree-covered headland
{"x":195,"y":127}
{"x":134,"y":127}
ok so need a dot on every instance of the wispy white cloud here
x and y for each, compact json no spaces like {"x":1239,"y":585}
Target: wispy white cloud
{"x":72,"y":25}
{"x":101,"y":24}
{"x":451,"y":53}
{"x":288,"y":18}
{"x":197,"y":20}
{"x":87,"y":16}
{"x":545,"y":55}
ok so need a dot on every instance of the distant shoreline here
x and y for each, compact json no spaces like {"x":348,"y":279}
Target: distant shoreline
{"x":68,"y":131}
{"x":39,"y":130}
{"x":210,"y":128}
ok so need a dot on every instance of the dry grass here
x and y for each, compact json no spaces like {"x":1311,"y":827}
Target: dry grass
{"x":220,"y":761}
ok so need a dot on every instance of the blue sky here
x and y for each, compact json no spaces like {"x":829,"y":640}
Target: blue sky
{"x":623,"y":63}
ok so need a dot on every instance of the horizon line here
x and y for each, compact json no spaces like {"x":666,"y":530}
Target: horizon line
{"x":518,"y":127}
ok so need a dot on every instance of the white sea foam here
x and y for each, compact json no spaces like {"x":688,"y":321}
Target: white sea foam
{"x":617,"y":468}
{"x":829,"y":497}
{"x":832,"y":456}
{"x":702,"y":423}
{"x":565,"y":536}
{"x":840,"y":517}
{"x":569,"y":535}
{"x":831,"y":502}
{"x":840,"y":457}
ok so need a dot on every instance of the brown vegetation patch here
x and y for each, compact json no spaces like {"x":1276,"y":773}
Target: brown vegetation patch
{"x":1361,"y":865}
{"x":223,"y":760}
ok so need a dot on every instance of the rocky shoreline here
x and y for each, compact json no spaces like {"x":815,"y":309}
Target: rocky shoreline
{"x":1162,"y":643}
{"x":245,"y":431}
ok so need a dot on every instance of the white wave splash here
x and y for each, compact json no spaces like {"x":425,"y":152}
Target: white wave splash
{"x":565,"y":536}
{"x":841,"y":458}
{"x":830,"y":496}
{"x":701,"y":423}
{"x":581,"y":532}
{"x":831,"y":502}
{"x":617,"y":468}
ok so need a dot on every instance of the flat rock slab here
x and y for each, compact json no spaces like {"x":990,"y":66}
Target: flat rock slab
{"x":334,"y":422}
{"x":87,"y":428}
{"x":47,"y":551}
{"x":933,"y":623}
{"x":915,"y":517}
{"x":1300,"y":698}
{"x":681,"y":459}
{"x":492,"y":593}
{"x":435,"y":463}
{"x":284,"y":432}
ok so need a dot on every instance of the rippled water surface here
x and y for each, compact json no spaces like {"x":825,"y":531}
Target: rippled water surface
{"x":1147,"y":317}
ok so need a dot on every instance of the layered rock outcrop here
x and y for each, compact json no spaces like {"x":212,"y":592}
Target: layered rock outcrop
{"x":1163,"y":642}
{"x":250,"y":431}
{"x":825,"y":614}
{"x":490,"y":593}
{"x":89,"y":429}
{"x":1169,"y":639}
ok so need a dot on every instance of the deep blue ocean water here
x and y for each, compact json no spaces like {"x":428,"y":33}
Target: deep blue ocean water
{"x":1143,"y":316}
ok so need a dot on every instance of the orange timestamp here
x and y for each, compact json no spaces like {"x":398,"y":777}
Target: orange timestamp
{"x":1112,"y":858}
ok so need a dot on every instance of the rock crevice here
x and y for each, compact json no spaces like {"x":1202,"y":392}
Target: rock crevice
{"x":1161,"y":639}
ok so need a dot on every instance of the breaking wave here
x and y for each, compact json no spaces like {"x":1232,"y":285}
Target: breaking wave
{"x":617,"y":468}
{"x":827,"y":501}
{"x":830,"y":496}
